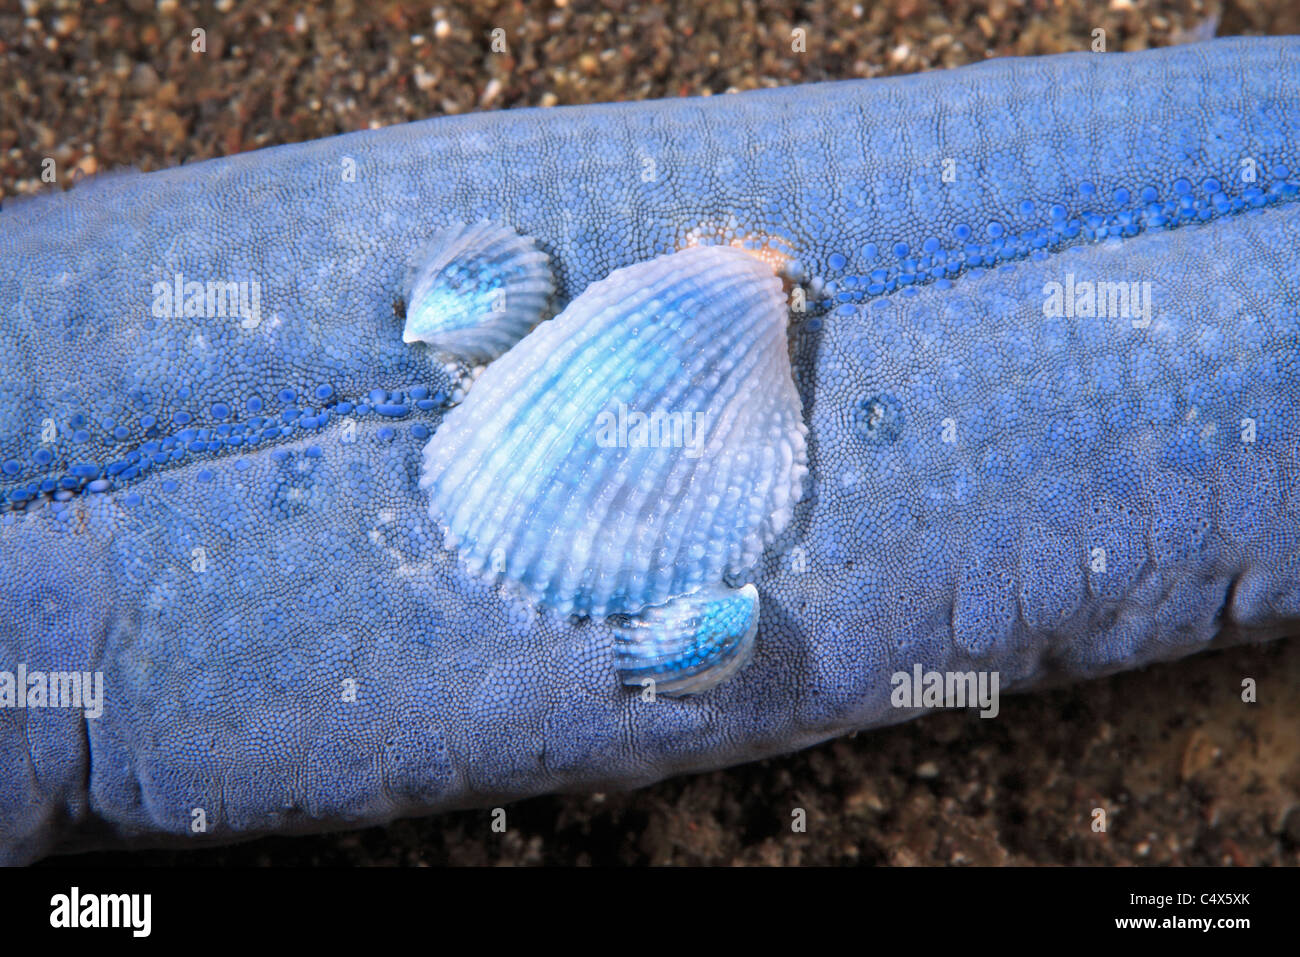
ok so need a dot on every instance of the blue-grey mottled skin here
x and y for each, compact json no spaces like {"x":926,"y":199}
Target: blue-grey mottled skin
{"x":225,"y":687}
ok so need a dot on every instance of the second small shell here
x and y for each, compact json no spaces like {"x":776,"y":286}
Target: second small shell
{"x":474,"y":291}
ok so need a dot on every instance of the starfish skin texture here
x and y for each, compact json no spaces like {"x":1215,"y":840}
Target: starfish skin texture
{"x":222,"y":514}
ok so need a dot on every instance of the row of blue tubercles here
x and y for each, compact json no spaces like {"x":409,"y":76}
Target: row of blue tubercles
{"x":938,"y":262}
{"x":187,"y":440}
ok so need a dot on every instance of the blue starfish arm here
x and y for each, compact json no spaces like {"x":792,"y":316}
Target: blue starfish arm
{"x":221,"y":513}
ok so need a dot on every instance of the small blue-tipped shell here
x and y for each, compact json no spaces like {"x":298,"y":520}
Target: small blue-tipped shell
{"x":691,"y":643}
{"x":474,"y":291}
{"x":644,"y":443}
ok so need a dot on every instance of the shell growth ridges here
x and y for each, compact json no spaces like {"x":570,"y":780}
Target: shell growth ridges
{"x":644,"y":443}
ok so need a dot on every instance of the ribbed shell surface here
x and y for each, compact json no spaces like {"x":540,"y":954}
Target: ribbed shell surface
{"x":546,"y":477}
